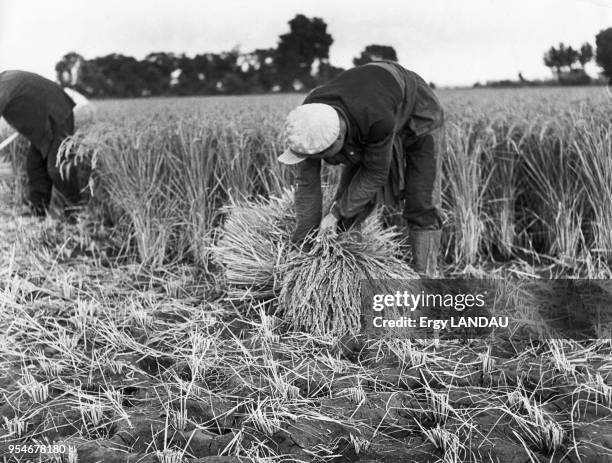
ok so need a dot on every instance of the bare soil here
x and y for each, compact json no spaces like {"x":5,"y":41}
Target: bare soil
{"x":125,"y":364}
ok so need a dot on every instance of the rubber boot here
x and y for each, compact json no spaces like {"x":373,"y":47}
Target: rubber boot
{"x":425,"y":246}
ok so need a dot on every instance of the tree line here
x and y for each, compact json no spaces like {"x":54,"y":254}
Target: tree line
{"x":299,"y":62}
{"x":567,"y":63}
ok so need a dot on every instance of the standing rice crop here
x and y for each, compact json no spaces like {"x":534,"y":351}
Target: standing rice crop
{"x":465,"y":190}
{"x":501,"y":163}
{"x":553,"y":182}
{"x":592,"y":143}
{"x":168,"y":178}
{"x":525,"y":172}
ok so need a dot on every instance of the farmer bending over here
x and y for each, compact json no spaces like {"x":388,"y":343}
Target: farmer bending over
{"x":40,"y":110}
{"x":383,"y":123}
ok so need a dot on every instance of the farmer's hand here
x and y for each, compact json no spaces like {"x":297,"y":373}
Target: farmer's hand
{"x":328,"y":225}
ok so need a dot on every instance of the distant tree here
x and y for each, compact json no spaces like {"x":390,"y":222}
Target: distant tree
{"x":561,"y":58}
{"x":297,"y":50}
{"x":116,"y":75}
{"x":67,"y":69}
{"x":197,"y":75}
{"x":375,"y":53}
{"x":267,"y":72}
{"x":569,"y":57}
{"x":83,"y":75}
{"x":586,"y":54}
{"x":260,"y":70}
{"x":158,"y":68}
{"x":91,"y":81}
{"x":165,"y":62}
{"x":228,"y":75}
{"x":566,"y":56}
{"x":552,"y":59}
{"x":327,"y":72}
{"x":129,"y":78}
{"x":603,"y":54}
{"x":185,"y":79}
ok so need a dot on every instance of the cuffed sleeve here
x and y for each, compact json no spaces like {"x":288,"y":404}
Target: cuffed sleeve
{"x":308,"y":198}
{"x":371,"y":175}
{"x":346,"y":176}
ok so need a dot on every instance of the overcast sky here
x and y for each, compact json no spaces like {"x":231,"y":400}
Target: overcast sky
{"x":448,"y":42}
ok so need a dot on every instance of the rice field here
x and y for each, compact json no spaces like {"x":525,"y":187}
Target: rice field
{"x":139,"y":333}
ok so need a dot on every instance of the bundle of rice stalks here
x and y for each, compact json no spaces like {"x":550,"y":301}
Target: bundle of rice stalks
{"x":253,"y":243}
{"x":318,"y":287}
{"x":321,"y":290}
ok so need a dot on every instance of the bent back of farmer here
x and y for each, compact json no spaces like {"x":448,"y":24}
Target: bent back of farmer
{"x":383,"y":123}
{"x":40,"y":110}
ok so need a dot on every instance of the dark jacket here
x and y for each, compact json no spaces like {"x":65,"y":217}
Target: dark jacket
{"x":384,"y":105}
{"x":33,"y":105}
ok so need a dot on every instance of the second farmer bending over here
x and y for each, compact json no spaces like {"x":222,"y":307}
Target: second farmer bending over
{"x":383,"y":123}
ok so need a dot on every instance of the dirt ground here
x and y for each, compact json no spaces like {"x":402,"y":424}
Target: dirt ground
{"x":123,"y":364}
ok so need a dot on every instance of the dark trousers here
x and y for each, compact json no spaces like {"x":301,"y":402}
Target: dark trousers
{"x":44,"y":174}
{"x":422,"y":190}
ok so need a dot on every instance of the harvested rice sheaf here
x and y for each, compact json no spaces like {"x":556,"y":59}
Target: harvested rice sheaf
{"x":253,"y":243}
{"x":318,"y":289}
